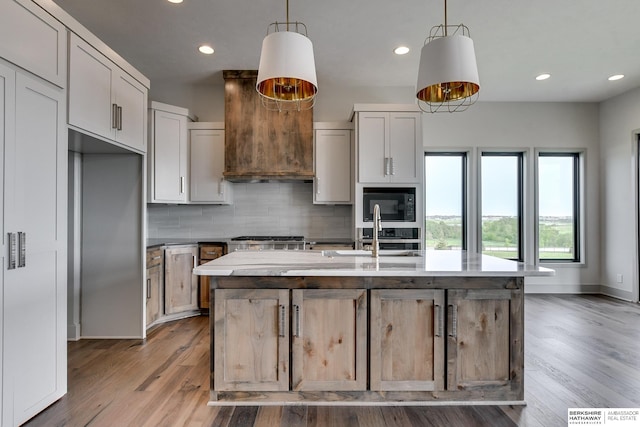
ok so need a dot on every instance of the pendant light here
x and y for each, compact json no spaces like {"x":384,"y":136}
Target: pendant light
{"x":287,"y":72}
{"x":448,"y":74}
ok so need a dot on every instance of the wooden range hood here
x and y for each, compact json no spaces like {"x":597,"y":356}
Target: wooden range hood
{"x":263,"y":145}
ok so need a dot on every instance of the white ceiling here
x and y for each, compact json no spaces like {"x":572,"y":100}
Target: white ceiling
{"x":580,"y":42}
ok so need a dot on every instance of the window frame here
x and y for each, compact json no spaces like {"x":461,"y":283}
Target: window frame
{"x":464,"y":158}
{"x":576,"y":205}
{"x":520,"y":155}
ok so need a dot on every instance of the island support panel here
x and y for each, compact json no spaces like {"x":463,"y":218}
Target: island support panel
{"x":360,"y":340}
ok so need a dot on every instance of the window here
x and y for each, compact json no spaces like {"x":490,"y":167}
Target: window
{"x":445,"y":200}
{"x":558,"y":206}
{"x":501,"y":192}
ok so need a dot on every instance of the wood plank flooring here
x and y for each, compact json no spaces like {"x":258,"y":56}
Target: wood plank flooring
{"x":580,"y":351}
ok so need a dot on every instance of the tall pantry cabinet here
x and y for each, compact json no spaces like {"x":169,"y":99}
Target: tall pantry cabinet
{"x":33,"y":140}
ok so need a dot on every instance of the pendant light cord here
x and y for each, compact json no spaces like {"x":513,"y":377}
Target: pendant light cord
{"x":445,"y":16}
{"x":288,"y":15}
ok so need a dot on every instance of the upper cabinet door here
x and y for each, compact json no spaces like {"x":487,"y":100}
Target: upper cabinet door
{"x":131,"y":100}
{"x":373,"y":154}
{"x":90,"y":88}
{"x":169,"y":158}
{"x":405,"y":146}
{"x":206,"y":167}
{"x":35,"y":40}
{"x":332,"y":166}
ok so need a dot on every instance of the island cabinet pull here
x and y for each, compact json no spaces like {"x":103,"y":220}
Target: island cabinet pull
{"x":22,"y":249}
{"x":439,"y":326}
{"x":454,"y":321}
{"x":296,"y":310}
{"x":12,"y":251}
{"x":148,"y":288}
{"x":281,"y":320}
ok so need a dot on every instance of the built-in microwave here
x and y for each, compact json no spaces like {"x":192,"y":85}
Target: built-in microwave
{"x":397,"y":204}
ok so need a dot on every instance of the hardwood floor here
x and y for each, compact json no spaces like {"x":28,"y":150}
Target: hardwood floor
{"x":580,"y":351}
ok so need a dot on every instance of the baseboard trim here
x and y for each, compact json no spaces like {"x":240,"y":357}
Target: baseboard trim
{"x":562,"y":289}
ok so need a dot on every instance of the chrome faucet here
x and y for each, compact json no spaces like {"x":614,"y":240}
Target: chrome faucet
{"x":377,"y":228}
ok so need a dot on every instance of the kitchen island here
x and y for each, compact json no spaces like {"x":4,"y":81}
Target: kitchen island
{"x":341,"y":327}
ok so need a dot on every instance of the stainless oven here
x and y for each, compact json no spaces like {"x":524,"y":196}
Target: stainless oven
{"x":390,"y":238}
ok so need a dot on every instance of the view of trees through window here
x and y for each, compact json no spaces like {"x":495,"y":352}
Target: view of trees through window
{"x":444,"y":200}
{"x":557,"y":221}
{"x":501,"y":178}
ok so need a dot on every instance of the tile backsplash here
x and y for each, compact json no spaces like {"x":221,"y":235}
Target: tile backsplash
{"x":257,"y":209}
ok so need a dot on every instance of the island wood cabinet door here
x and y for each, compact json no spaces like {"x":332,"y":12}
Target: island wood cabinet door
{"x":181,"y":285}
{"x":407,"y":339}
{"x":485,"y":343}
{"x":251,"y":340}
{"x":329,"y":339}
{"x":155,"y":281}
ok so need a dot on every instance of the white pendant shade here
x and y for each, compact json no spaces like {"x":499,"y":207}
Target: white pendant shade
{"x":287,"y":71}
{"x":448,"y":70}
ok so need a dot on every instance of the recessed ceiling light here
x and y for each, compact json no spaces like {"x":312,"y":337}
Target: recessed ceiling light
{"x":544,"y":76}
{"x":207,"y":50}
{"x":616,"y":77}
{"x":175,"y":1}
{"x":401,"y":50}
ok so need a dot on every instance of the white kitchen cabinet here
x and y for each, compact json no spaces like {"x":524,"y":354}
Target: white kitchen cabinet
{"x":167,"y":156}
{"x":333,"y":162}
{"x":34,"y":238}
{"x":206,"y":165}
{"x":36,"y":41}
{"x":105,"y":101}
{"x":389,"y":147}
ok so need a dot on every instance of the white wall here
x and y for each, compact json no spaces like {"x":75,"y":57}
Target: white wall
{"x":527,"y":127}
{"x":619,"y":124}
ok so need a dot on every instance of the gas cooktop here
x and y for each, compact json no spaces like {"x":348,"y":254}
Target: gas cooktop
{"x":271,"y":238}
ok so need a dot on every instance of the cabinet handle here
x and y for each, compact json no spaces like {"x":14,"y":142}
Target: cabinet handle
{"x":296,"y":310}
{"x":386,"y":166}
{"x":281,"y":320}
{"x":195,"y":261}
{"x":454,"y":321}
{"x":12,"y":251}
{"x":156,"y":257}
{"x":114,"y":116}
{"x":317,"y":185}
{"x":119,"y":118}
{"x":182,"y":185}
{"x":22,"y":249}
{"x":148,"y":288}
{"x":439,"y":321}
{"x":391,"y":168}
{"x":221,"y":187}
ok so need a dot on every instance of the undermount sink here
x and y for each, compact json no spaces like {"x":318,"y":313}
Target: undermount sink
{"x":381,"y":253}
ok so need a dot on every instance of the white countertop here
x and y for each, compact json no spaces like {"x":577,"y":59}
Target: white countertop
{"x":361,"y":264}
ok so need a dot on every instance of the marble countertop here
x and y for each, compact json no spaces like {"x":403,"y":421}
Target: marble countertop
{"x":360,"y":263}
